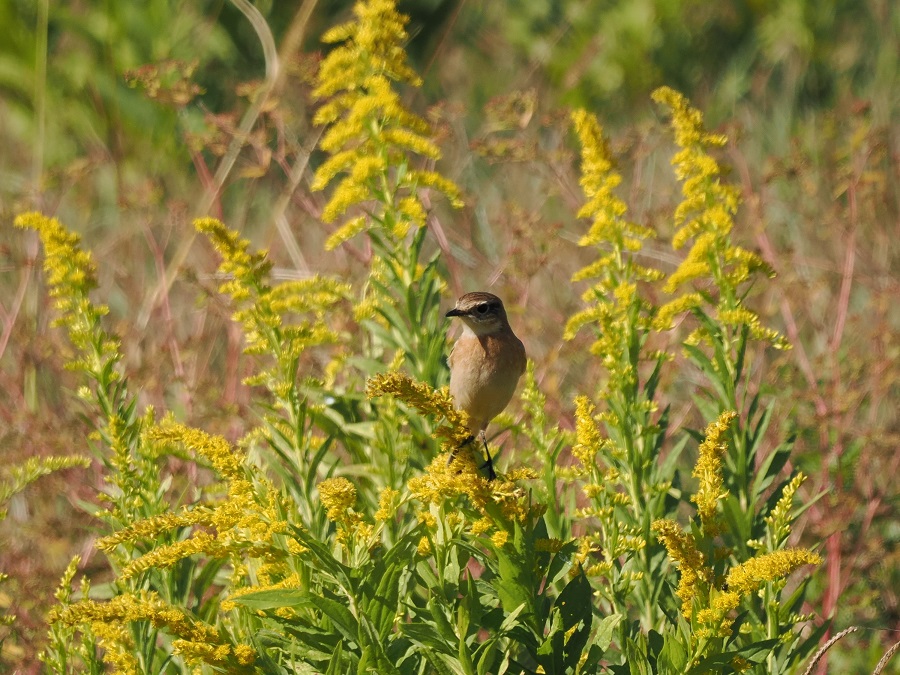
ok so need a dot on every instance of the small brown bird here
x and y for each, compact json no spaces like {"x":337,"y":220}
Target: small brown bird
{"x":486,"y":362}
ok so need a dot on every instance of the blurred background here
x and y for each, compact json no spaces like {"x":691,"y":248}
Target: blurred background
{"x":127,"y":120}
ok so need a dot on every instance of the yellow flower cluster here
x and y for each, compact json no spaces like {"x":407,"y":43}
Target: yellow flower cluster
{"x":778,"y":521}
{"x":706,"y":215}
{"x":338,"y":496}
{"x":387,"y":504}
{"x":588,"y":439}
{"x":118,"y":647}
{"x":436,"y":403}
{"x":748,"y":577}
{"x":71,"y":275}
{"x":16,"y":478}
{"x":283,"y":321}
{"x":599,"y":180}
{"x":198,"y":641}
{"x":614,"y":305}
{"x":245,"y":522}
{"x":371,"y":136}
{"x":708,"y":470}
{"x":696,"y":576}
{"x":697,"y":590}
{"x":500,"y":502}
{"x":454,"y":473}
{"x":717,"y":619}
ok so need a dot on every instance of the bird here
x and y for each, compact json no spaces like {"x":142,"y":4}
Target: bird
{"x":486,"y":362}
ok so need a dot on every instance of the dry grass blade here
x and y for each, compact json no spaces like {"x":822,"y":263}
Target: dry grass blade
{"x":818,"y":655}
{"x":887,"y":657}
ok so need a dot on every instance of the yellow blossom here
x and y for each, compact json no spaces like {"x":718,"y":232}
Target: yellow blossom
{"x":337,"y":496}
{"x":387,"y":504}
{"x":613,"y":301}
{"x":706,"y":215}
{"x":667,"y":313}
{"x":371,"y":136}
{"x":499,"y":538}
{"x":778,"y":522}
{"x":751,"y":575}
{"x":709,"y":472}
{"x":423,"y":398}
{"x":142,"y":606}
{"x":587,"y":433}
{"x":696,"y":576}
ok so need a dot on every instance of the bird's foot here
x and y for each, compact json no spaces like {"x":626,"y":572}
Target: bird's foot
{"x":487,"y":467}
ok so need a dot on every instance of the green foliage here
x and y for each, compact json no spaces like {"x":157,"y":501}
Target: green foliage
{"x":614,"y":52}
{"x":347,"y":530}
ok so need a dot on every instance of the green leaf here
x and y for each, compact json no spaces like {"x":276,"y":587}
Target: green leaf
{"x":442,"y":623}
{"x":754,"y":653}
{"x":334,"y":665}
{"x":605,"y":629}
{"x":340,"y":615}
{"x":673,"y":657}
{"x":383,"y":596}
{"x":636,"y":655}
{"x":514,"y":582}
{"x":442,"y":664}
{"x":706,"y":366}
{"x":425,"y":635}
{"x":550,"y":652}
{"x":560,"y":563}
{"x":273,"y":599}
{"x":374,"y":658}
{"x":322,"y":558}
{"x":576,"y":609}
{"x":769,"y":469}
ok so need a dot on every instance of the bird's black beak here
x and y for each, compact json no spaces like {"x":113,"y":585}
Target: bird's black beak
{"x":454,"y":312}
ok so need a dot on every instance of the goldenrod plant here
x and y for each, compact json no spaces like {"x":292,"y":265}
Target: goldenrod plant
{"x":350,"y":531}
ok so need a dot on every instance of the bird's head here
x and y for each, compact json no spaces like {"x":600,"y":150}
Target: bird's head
{"x":482,"y":313}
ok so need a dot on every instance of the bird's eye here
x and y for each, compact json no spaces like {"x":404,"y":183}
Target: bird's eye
{"x":482,"y":308}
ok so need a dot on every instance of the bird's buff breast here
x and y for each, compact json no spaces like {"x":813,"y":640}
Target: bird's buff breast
{"x":484,"y":374}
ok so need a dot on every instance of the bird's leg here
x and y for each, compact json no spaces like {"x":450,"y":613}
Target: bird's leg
{"x":452,"y":455}
{"x":489,"y":464}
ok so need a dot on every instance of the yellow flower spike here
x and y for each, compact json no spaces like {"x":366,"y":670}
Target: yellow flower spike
{"x":779,"y":519}
{"x":706,"y":216}
{"x":149,"y":528}
{"x":337,"y":496}
{"x":499,"y":538}
{"x":71,"y":275}
{"x":696,"y":576}
{"x":387,"y":504}
{"x":612,"y":300}
{"x":588,"y":439}
{"x":481,"y":526}
{"x":716,"y":619}
{"x":751,"y":575}
{"x":371,"y":136}
{"x":143,"y":606}
{"x":117,"y":645}
{"x":171,"y":554}
{"x":428,"y":401}
{"x":282,"y":321}
{"x":225,"y":459}
{"x":709,"y":472}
